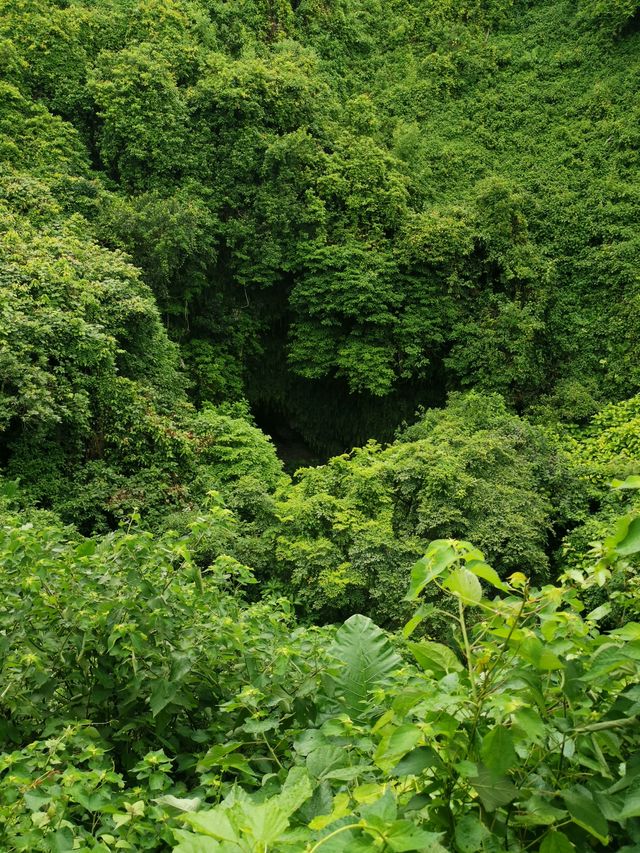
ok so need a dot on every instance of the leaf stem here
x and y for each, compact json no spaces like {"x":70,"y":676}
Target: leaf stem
{"x":333,"y":834}
{"x":467,"y":648}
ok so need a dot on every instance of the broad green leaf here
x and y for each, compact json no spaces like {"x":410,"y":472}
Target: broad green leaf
{"x":62,"y":841}
{"x":482,"y":570}
{"x":629,"y":632}
{"x":470,"y":834}
{"x":86,"y":548}
{"x":162,"y":694}
{"x":535,"y":652}
{"x":573,"y":672}
{"x":225,"y":757}
{"x":631,"y":805}
{"x":367,"y":660}
{"x":383,"y":809}
{"x":493,"y":789}
{"x":417,"y":761}
{"x":352,"y":840}
{"x":320,"y":761}
{"x":182,"y":804}
{"x":538,"y":811}
{"x":435,"y":657}
{"x":585,"y":812}
{"x":348,"y":774}
{"x":35,"y":799}
{"x":465,"y":585}
{"x":599,"y":612}
{"x":369,"y":792}
{"x":403,"y":835}
{"x":265,"y":821}
{"x":296,"y":790}
{"x":631,"y":482}
{"x":190,"y":843}
{"x":497,"y":750}
{"x":631,"y":542}
{"x":419,"y":617}
{"x":529,"y":725}
{"x":611,"y":658}
{"x":215,"y":823}
{"x":341,"y":808}
{"x":396,"y":744}
{"x":439,"y":556}
{"x":556,"y":842}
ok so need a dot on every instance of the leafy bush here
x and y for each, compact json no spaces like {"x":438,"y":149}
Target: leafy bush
{"x":168,"y":713}
{"x":348,"y":530}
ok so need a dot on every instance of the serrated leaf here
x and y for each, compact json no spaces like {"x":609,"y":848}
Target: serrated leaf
{"x":381,"y":810}
{"x":265,"y":821}
{"x":296,"y":790}
{"x":214,"y":823}
{"x":341,"y":808}
{"x":403,"y":835}
{"x":162,"y":694}
{"x":62,"y":841}
{"x":535,"y":652}
{"x":530,"y":724}
{"x":190,"y":843}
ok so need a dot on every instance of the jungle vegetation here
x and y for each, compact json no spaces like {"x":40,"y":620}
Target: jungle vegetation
{"x":320,"y":426}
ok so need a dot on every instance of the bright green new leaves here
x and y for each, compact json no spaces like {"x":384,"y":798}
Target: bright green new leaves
{"x":439,"y":556}
{"x":464,"y":585}
{"x":627,"y":537}
{"x":507,"y":689}
{"x":243,"y":824}
{"x":462,"y":580}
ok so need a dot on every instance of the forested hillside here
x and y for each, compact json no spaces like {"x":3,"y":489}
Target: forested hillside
{"x":319,"y":426}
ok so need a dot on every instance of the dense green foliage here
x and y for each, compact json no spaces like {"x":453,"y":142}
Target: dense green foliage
{"x":344,"y":207}
{"x":145,"y":705}
{"x":399,"y":239}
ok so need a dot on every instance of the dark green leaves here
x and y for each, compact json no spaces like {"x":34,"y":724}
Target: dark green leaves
{"x":497,"y":749}
{"x":494,"y":789}
{"x":556,"y":842}
{"x":585,"y":812}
